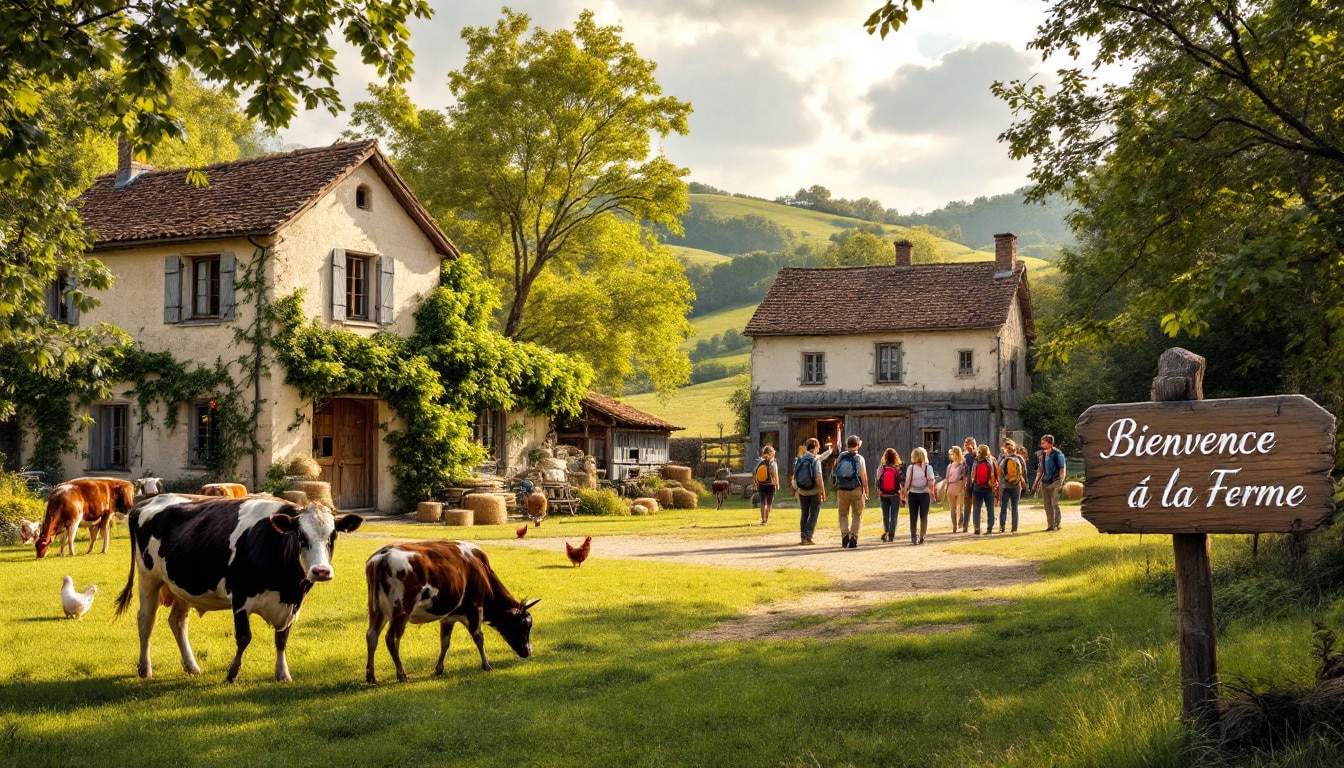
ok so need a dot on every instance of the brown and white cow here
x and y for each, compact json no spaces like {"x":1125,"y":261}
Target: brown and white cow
{"x":443,"y":581}
{"x":224,"y":490}
{"x":256,"y":555}
{"x":92,"y":500}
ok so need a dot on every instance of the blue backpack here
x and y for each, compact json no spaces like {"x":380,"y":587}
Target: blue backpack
{"x":805,"y":472}
{"x":847,"y":471}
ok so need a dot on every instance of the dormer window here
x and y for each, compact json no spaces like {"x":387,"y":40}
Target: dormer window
{"x":363,"y":199}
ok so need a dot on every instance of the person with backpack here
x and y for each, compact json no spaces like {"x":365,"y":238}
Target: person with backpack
{"x":851,"y":484}
{"x":1049,"y":478}
{"x":1013,"y":471}
{"x":767,"y":480}
{"x":889,"y":493}
{"x":958,"y":501}
{"x":968,"y":450}
{"x":984,"y":486}
{"x":807,"y":484}
{"x":921,"y":488}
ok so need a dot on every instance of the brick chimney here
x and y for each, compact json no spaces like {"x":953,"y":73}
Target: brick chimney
{"x":1005,"y":254}
{"x":128,"y":168}
{"x":903,"y":250}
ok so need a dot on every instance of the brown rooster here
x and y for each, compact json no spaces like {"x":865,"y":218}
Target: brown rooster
{"x":580,"y":553}
{"x":522,"y":531}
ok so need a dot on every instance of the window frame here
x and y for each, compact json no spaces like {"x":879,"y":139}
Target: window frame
{"x":820,"y":368}
{"x":880,"y":348}
{"x":363,"y":190}
{"x":969,"y":368}
{"x":213,"y":294}
{"x":1012,"y":373}
{"x":351,"y":283}
{"x":487,"y":431}
{"x":110,"y":437}
{"x":198,"y":455}
{"x":59,"y":308}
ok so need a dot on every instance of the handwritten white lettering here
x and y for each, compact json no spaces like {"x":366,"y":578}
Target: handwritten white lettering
{"x":1130,"y":438}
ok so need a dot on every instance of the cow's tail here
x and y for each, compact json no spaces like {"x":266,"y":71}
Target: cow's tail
{"x":124,"y":599}
{"x":373,"y":574}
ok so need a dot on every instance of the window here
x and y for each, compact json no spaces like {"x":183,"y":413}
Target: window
{"x":487,"y":430}
{"x":965,"y":363}
{"x":814,"y":368}
{"x":363,"y":198}
{"x":933,"y":444}
{"x":357,"y":287}
{"x":58,"y":300}
{"x":205,"y":287}
{"x":889,"y":363}
{"x":1012,"y":373}
{"x":108,"y":440}
{"x":204,"y":433}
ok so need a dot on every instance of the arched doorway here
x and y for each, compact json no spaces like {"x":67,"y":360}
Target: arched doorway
{"x":343,"y":435}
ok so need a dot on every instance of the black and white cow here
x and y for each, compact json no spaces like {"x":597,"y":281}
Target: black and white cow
{"x":255,"y":555}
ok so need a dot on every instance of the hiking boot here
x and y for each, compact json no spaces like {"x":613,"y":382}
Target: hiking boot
{"x":921,"y":539}
{"x":854,"y":542}
{"x":844,"y":542}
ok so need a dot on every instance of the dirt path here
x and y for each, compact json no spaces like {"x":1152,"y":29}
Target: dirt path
{"x":873,"y":573}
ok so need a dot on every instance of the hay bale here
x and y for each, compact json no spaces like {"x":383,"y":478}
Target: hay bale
{"x":672,"y":484}
{"x":295,"y":497}
{"x":487,"y":508}
{"x":684,"y":499}
{"x":675,"y":472}
{"x":639,"y":509}
{"x":537,"y":504}
{"x":316,"y":491}
{"x":460,"y":517}
{"x":664,"y":496}
{"x":428,"y":512}
{"x":584,"y":480}
{"x":649,"y":503}
{"x":1072,"y":490}
{"x":303,"y":466}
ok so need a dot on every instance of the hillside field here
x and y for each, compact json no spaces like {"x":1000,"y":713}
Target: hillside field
{"x":700,"y":408}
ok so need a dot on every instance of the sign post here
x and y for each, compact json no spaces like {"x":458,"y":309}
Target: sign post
{"x":1190,"y":467}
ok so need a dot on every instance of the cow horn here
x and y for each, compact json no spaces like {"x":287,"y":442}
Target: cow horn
{"x":529,"y":603}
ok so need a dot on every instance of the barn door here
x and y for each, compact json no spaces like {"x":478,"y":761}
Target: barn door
{"x":342,"y":441}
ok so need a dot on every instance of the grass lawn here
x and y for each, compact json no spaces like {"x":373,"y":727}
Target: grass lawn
{"x":718,"y":322}
{"x":1077,"y":670}
{"x":700,"y":408}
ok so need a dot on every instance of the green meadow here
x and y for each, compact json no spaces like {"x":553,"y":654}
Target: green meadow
{"x":1079,"y":669}
{"x":700,"y":408}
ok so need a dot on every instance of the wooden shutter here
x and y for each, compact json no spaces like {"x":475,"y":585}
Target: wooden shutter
{"x":386,"y":268}
{"x":228,"y":265}
{"x":172,"y":289}
{"x":52,"y":297}
{"x":71,"y":308}
{"x":338,"y":285}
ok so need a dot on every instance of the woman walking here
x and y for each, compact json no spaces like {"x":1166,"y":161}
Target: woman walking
{"x":920,"y":489}
{"x":984,"y":486}
{"x":956,"y":488}
{"x":1013,"y":477}
{"x":767,"y":480}
{"x":889,"y":493}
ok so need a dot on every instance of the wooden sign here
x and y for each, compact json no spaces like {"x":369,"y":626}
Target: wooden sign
{"x":1241,"y":465}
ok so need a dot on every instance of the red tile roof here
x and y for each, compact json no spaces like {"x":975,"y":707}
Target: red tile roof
{"x":924,"y":297}
{"x":255,"y":197}
{"x":624,"y":415}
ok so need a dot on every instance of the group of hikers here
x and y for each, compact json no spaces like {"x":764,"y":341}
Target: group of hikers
{"x":976,"y":481}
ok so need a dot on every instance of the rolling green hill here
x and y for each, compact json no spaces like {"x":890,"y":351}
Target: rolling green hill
{"x":700,"y":408}
{"x":696,"y":256}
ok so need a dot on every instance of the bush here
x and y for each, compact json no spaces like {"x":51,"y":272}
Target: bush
{"x":648,"y":486}
{"x":189,"y":483}
{"x":684,"y":499}
{"x":16,"y":503}
{"x":694,"y":486}
{"x":601,"y":502}
{"x":276,"y":481}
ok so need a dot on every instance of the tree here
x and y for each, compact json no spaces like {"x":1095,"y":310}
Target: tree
{"x":73,"y":71}
{"x":549,"y":137}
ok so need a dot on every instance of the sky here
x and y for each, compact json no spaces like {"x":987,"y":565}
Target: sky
{"x":787,"y":93}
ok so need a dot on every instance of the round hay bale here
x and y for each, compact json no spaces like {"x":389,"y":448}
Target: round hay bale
{"x":649,"y":503}
{"x":295,"y":497}
{"x":429,"y":512}
{"x":639,"y":509}
{"x":488,"y":508}
{"x":316,"y":491}
{"x":684,"y":499}
{"x":1073,"y":490}
{"x":675,"y":472}
{"x":303,"y":466}
{"x":664,"y":497}
{"x":460,"y":517}
{"x":536,"y":504}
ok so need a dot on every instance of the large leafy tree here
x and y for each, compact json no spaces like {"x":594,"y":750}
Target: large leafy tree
{"x":71,"y":72}
{"x":550,"y":136}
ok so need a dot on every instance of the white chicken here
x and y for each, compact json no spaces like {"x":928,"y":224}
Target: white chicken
{"x":74,"y":603}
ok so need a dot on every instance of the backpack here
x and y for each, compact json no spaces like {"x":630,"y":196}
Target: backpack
{"x":847,"y":471}
{"x":1012,"y":472}
{"x":763,"y":471}
{"x":984,"y":475}
{"x":805,"y":472}
{"x":888,"y":479}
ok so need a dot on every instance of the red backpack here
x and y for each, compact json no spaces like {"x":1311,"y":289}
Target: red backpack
{"x":888,"y":479}
{"x":984,"y":474}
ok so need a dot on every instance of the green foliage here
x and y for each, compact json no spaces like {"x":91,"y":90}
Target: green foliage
{"x":276,"y":481}
{"x":603,"y":501}
{"x":707,"y":230}
{"x":976,"y":222}
{"x":16,"y":503}
{"x":891,"y":16}
{"x":740,"y":404}
{"x":818,"y":198}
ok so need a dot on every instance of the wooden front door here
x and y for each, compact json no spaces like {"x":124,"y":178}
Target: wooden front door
{"x":342,"y":445}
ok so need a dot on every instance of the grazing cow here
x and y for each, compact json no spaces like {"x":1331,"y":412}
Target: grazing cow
{"x":92,"y":500}
{"x":443,"y":581}
{"x":722,"y":489}
{"x":255,"y":555}
{"x":224,"y":490}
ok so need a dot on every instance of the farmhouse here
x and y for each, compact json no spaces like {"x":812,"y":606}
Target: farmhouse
{"x":902,"y":355}
{"x":337,"y":222}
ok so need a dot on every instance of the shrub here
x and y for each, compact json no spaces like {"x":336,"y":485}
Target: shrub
{"x":601,"y":502}
{"x":16,"y":503}
{"x":684,"y":499}
{"x":189,"y":483}
{"x":648,"y":485}
{"x":276,"y":481}
{"x":694,"y":486}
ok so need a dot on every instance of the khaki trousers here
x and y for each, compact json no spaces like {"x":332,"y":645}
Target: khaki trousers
{"x":1050,"y":496}
{"x":851,"y":511}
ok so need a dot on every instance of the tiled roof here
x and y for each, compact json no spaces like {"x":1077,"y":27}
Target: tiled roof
{"x":624,"y":415}
{"x":924,"y":297}
{"x":255,"y":197}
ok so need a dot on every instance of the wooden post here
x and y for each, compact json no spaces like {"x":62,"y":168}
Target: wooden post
{"x":1180,"y":376}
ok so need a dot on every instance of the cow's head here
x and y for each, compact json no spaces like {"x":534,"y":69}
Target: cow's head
{"x":42,"y":545}
{"x":149,"y":486}
{"x":315,"y":528}
{"x":515,"y":626}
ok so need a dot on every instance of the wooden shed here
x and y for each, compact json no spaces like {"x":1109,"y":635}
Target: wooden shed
{"x":620,"y":437}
